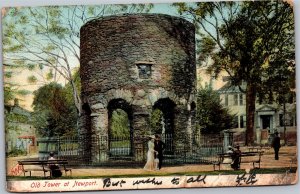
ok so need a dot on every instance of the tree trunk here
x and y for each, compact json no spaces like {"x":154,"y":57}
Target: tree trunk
{"x":250,"y":113}
{"x":76,"y":96}
{"x":284,"y":122}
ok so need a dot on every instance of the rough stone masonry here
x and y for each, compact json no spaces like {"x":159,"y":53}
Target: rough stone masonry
{"x":137,"y":63}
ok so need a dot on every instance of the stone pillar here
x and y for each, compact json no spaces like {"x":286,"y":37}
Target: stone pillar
{"x":258,"y":119}
{"x":181,"y":135}
{"x":226,"y":142}
{"x":84,"y":133}
{"x":141,"y":129}
{"x":99,"y":136}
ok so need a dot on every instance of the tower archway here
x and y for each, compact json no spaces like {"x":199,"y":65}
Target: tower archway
{"x":120,"y":131}
{"x":162,"y":121}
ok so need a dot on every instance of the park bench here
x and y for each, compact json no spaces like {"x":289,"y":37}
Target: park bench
{"x":245,"y":157}
{"x":43,"y":166}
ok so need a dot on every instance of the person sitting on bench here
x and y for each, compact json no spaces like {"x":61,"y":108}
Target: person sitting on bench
{"x":228,"y":160}
{"x":54,"y":168}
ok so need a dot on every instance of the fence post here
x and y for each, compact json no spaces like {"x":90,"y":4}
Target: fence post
{"x":226,"y":141}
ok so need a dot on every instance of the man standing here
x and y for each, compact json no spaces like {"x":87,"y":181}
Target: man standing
{"x":159,"y":146}
{"x":276,"y":145}
{"x":236,"y":158}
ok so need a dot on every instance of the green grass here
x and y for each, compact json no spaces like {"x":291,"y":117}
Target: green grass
{"x":158,"y":173}
{"x":120,"y":144}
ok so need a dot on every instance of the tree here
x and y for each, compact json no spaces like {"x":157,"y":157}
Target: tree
{"x":156,"y":121}
{"x":251,"y":41}
{"x":47,"y":38}
{"x":54,"y":113}
{"x":212,"y":117}
{"x":12,"y":90}
{"x":119,"y":124}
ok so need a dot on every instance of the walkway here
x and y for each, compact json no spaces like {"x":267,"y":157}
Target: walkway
{"x":287,"y":158}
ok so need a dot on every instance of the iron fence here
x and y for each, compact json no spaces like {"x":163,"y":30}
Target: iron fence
{"x":104,"y":151}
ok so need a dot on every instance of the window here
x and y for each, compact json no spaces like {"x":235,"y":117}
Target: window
{"x":242,"y":121}
{"x":291,"y":123}
{"x":236,"y":122}
{"x":144,"y":71}
{"x":235,"y":99}
{"x":226,"y":99}
{"x":241,"y":100}
{"x":281,"y":121}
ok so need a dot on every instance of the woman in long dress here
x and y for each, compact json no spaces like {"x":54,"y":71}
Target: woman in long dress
{"x":150,"y":164}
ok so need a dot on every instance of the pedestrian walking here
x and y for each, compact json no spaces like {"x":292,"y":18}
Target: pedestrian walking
{"x":276,"y":145}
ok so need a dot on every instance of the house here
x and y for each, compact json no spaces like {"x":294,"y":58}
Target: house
{"x":269,"y":117}
{"x":20,"y":134}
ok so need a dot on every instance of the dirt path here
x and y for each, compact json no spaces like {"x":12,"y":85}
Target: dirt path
{"x":287,"y":158}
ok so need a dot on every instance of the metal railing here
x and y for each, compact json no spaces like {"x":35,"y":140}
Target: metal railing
{"x":104,"y":151}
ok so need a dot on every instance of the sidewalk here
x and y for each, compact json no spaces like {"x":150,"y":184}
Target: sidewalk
{"x":287,"y":158}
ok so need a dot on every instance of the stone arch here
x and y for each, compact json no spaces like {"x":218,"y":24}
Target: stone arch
{"x":161,"y":93}
{"x":114,"y":94}
{"x":120,"y":143}
{"x":167,"y":108}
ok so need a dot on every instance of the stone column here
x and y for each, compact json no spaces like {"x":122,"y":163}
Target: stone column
{"x":227,"y":140}
{"x":141,"y":129}
{"x":99,"y":136}
{"x":181,"y":135}
{"x":84,"y":133}
{"x":258,"y":121}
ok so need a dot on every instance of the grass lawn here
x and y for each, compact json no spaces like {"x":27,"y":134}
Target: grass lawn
{"x":120,"y":144}
{"x":157,"y":173}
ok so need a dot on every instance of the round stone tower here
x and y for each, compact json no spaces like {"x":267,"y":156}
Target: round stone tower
{"x":137,"y":63}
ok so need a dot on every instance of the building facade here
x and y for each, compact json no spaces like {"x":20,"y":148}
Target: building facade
{"x":269,"y":117}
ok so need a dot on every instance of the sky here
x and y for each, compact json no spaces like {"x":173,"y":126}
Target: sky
{"x":21,"y":76}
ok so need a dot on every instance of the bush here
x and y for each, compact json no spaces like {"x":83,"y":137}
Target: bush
{"x":16,"y":152}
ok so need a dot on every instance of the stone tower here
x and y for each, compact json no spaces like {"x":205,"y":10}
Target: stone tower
{"x":137,"y":63}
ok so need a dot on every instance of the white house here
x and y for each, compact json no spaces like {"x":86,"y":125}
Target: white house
{"x":268,"y":117}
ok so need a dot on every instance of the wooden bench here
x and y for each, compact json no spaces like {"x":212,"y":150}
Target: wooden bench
{"x":43,"y":165}
{"x":245,"y":157}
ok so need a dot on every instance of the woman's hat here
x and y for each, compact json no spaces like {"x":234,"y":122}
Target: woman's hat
{"x":152,"y":136}
{"x":229,"y":147}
